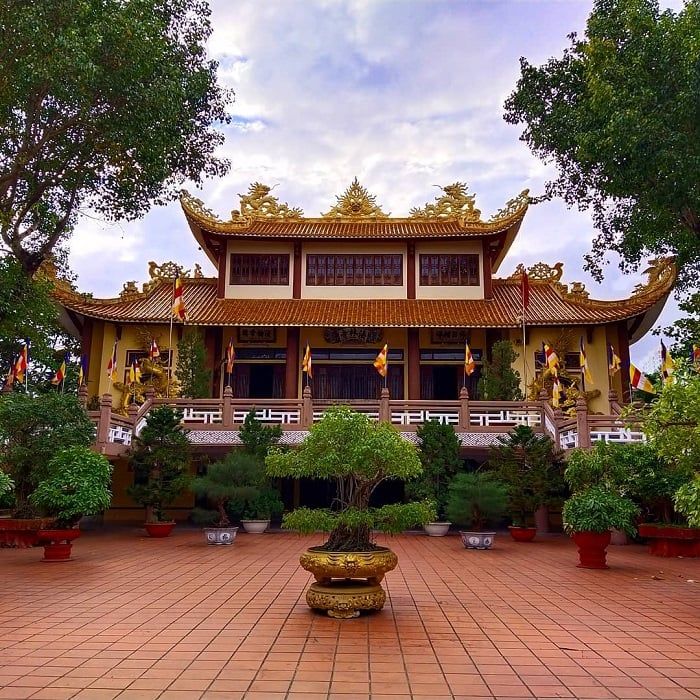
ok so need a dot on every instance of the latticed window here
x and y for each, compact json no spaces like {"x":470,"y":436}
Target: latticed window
{"x":254,"y":268}
{"x":354,"y":270}
{"x":449,"y":270}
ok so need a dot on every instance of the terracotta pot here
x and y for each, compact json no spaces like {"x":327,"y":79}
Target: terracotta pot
{"x":666,"y":541}
{"x":58,"y":543}
{"x":437,"y":529}
{"x":477,"y":540}
{"x":522,"y":534}
{"x":160,"y":529}
{"x":592,"y":549}
{"x":22,"y":532}
{"x":255,"y":527}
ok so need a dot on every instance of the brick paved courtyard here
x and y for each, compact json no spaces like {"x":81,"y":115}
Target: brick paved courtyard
{"x":137,"y":618}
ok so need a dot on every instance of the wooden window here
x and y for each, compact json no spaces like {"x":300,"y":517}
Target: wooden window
{"x":449,"y":270}
{"x":354,"y":270}
{"x":255,"y":268}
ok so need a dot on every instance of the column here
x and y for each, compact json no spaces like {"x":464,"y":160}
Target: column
{"x":413,"y":364}
{"x":291,"y":379}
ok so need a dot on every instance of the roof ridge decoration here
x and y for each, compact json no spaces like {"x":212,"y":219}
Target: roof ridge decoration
{"x":355,"y":203}
{"x":539,"y":272}
{"x":514,"y":205}
{"x":455,"y":203}
{"x":165,"y":272}
{"x":661,"y":274}
{"x":260,"y":204}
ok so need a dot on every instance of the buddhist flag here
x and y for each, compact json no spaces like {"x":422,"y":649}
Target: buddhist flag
{"x":178,"y":309}
{"x":10,"y":379}
{"x":583,"y":362}
{"x":667,"y":365}
{"x":82,"y":372}
{"x":306,"y":365}
{"x":696,"y":353}
{"x":381,"y":364}
{"x":614,"y":362}
{"x":135,"y":373}
{"x":60,"y":373}
{"x":154,"y":351}
{"x":525,"y":290}
{"x":22,"y":363}
{"x":639,"y":381}
{"x":469,"y":364}
{"x":551,"y":357}
{"x":556,"y":389}
{"x":112,"y":363}
{"x":230,"y":356}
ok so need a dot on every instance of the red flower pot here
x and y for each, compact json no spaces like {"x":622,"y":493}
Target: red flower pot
{"x":22,"y":532}
{"x":58,"y":543}
{"x":160,"y":529}
{"x":522,"y":534}
{"x":667,"y":541}
{"x":591,"y":549}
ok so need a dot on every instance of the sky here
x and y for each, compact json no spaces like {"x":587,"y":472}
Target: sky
{"x":405,"y":95}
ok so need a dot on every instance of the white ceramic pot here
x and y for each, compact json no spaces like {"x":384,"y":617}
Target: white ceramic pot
{"x":477,"y":540}
{"x":437,"y":529}
{"x":220,"y":535}
{"x":255,"y":527}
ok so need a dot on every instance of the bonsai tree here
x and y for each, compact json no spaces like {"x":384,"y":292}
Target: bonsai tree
{"x":31,"y":428}
{"x":438,"y":451}
{"x":258,"y":439}
{"x":476,"y":498}
{"x":235,"y":478}
{"x":160,"y":461}
{"x":359,"y":454}
{"x":78,"y":485}
{"x":530,"y":466}
{"x":499,"y":381}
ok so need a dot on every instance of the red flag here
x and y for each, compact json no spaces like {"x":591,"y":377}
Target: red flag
{"x":230,"y":356}
{"x":154,"y":351}
{"x":525,"y":289}
{"x":178,"y":309}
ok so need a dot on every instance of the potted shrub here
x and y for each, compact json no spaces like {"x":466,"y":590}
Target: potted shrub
{"x":78,"y":485}
{"x":30,"y":430}
{"x":476,"y":498}
{"x":358,"y":454}
{"x":259,"y":510}
{"x":233,"y":478}
{"x":530,"y":467}
{"x":160,"y":460}
{"x":438,"y":451}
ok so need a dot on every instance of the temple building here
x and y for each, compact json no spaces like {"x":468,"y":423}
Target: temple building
{"x":352,"y":280}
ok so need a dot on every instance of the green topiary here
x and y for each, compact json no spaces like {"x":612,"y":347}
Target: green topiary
{"x":476,"y":498}
{"x":598,"y":509}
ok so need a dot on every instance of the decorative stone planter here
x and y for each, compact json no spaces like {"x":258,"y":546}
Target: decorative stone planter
{"x":669,"y":541}
{"x":255,"y":527}
{"x":220,"y":535}
{"x":22,"y":532}
{"x":437,"y":529}
{"x":477,"y":540}
{"x":160,"y":529}
{"x":592,"y":548}
{"x":522,"y":534}
{"x":58,"y":543}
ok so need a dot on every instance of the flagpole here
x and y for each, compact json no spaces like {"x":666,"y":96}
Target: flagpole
{"x":170,"y":341}
{"x":522,"y":306}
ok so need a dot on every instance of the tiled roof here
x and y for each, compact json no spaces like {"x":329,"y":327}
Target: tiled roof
{"x":548,"y":306}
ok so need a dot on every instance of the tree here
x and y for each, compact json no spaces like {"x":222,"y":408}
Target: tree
{"x":258,"y":439}
{"x":103,"y":104}
{"x":685,"y":331}
{"x":618,"y":115}
{"x":191,"y":366}
{"x":499,"y":381}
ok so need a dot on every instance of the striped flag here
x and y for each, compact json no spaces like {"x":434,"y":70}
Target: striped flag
{"x":230,"y":356}
{"x":135,"y":373}
{"x":556,"y":388}
{"x":469,"y":364}
{"x":614,"y":362}
{"x":178,"y":309}
{"x":550,"y":356}
{"x":639,"y":380}
{"x":22,"y":362}
{"x":667,"y":365}
{"x":154,"y":351}
{"x":82,"y":372}
{"x":696,"y":353}
{"x":381,"y":363}
{"x":112,"y":363}
{"x":525,"y":290}
{"x":306,"y":364}
{"x":60,"y":373}
{"x":583,"y":362}
{"x":10,"y":378}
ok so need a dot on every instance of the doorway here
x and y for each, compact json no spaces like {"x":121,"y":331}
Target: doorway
{"x":261,"y":381}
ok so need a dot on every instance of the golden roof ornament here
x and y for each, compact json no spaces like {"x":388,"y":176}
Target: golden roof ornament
{"x":540,"y":272}
{"x":513,"y":206}
{"x":198,"y":208}
{"x":260,"y":204}
{"x":660,"y":272}
{"x":455,"y":203}
{"x":355,"y":203}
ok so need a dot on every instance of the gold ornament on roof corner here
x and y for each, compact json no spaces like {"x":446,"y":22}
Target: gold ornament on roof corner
{"x":260,"y":204}
{"x":198,"y":208}
{"x":578,"y":292}
{"x":355,"y":203}
{"x":455,"y":203}
{"x":514,"y":206}
{"x":539,"y":272}
{"x":660,"y":273}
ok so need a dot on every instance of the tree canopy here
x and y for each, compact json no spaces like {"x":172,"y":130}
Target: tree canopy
{"x":103,"y":104}
{"x":619,"y":116}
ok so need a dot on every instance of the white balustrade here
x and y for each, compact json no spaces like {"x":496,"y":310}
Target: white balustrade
{"x":418,"y":416}
{"x":549,"y":426}
{"x":269,"y":415}
{"x":621,"y":435}
{"x":119,"y":434}
{"x":372,"y":415}
{"x":201,"y":415}
{"x":568,"y":439}
{"x":504,"y":417}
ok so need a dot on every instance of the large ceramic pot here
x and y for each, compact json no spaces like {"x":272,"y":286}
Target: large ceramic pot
{"x":22,"y":532}
{"x":437,"y":529}
{"x":220,"y":535}
{"x":477,"y":540}
{"x":58,"y":543}
{"x":522,"y":534}
{"x":255,"y":527}
{"x":592,"y":548}
{"x":669,"y":541}
{"x":329,"y":565}
{"x":162,"y":529}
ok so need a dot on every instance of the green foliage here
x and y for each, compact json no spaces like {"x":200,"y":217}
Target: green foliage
{"x":685,"y":331}
{"x":624,"y":139}
{"x":359,"y":454}
{"x":499,"y":381}
{"x":191,"y":367}
{"x":438,"y":451}
{"x":258,"y":439}
{"x":78,"y":485}
{"x":531,"y":468}
{"x":598,"y":509}
{"x":31,"y":430}
{"x":605,"y":464}
{"x":687,"y":501}
{"x":104,"y":104}
{"x":6,"y":484}
{"x":160,"y":460}
{"x":476,"y":498}
{"x":266,"y":505}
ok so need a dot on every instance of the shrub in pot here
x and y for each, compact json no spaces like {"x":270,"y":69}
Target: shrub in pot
{"x":476,"y":498}
{"x":78,"y":485}
{"x":160,"y":460}
{"x":358,"y":454}
{"x":438,"y":451}
{"x":530,"y":466}
{"x":259,"y":510}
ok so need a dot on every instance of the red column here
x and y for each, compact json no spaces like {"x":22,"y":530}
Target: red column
{"x":221,"y":289}
{"x":486,"y":269}
{"x":413,"y":359}
{"x":296,"y":271}
{"x":411,"y":270}
{"x":291,"y":379}
{"x":624,"y":345}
